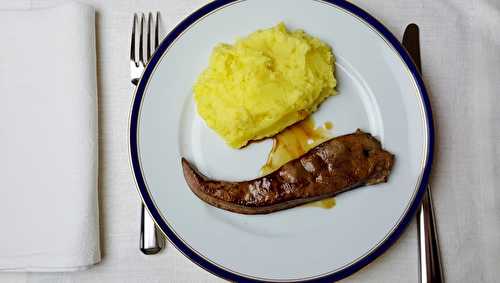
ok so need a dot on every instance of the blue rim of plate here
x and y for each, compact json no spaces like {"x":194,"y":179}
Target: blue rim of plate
{"x":217,"y":270}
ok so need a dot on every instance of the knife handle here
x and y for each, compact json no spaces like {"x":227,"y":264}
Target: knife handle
{"x":151,"y":242}
{"x":430,"y":261}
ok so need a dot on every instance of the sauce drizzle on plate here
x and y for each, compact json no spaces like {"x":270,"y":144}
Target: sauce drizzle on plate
{"x":294,"y":142}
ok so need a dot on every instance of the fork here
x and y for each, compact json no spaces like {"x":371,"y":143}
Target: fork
{"x":151,"y":242}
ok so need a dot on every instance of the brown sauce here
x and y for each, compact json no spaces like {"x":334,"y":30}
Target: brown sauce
{"x":328,"y":125}
{"x":294,"y":142}
{"x":324,"y":203}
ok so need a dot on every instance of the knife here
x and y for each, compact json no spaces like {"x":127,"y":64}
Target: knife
{"x":430,"y":270}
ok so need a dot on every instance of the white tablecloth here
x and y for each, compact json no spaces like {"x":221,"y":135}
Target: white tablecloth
{"x":461,"y":65}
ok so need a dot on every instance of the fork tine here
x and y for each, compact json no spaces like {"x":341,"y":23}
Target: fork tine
{"x":141,"y":45}
{"x":132,"y":44}
{"x":150,"y":22}
{"x":157,"y":28}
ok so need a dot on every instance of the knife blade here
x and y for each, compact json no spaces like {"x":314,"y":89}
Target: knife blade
{"x":411,"y":42}
{"x":430,"y":270}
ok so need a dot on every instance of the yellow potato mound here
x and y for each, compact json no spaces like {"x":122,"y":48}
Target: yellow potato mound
{"x":264,"y":83}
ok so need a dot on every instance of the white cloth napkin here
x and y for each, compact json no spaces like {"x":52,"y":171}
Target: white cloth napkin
{"x":48,"y":139}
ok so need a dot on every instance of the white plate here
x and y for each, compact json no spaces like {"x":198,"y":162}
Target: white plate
{"x":380,"y":92}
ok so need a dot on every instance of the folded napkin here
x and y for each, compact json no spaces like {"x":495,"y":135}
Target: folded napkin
{"x":48,"y":139}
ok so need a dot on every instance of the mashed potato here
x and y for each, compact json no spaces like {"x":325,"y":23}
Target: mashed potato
{"x":264,"y":83}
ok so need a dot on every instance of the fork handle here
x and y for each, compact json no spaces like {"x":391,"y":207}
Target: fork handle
{"x":430,"y":262}
{"x":150,"y":242}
